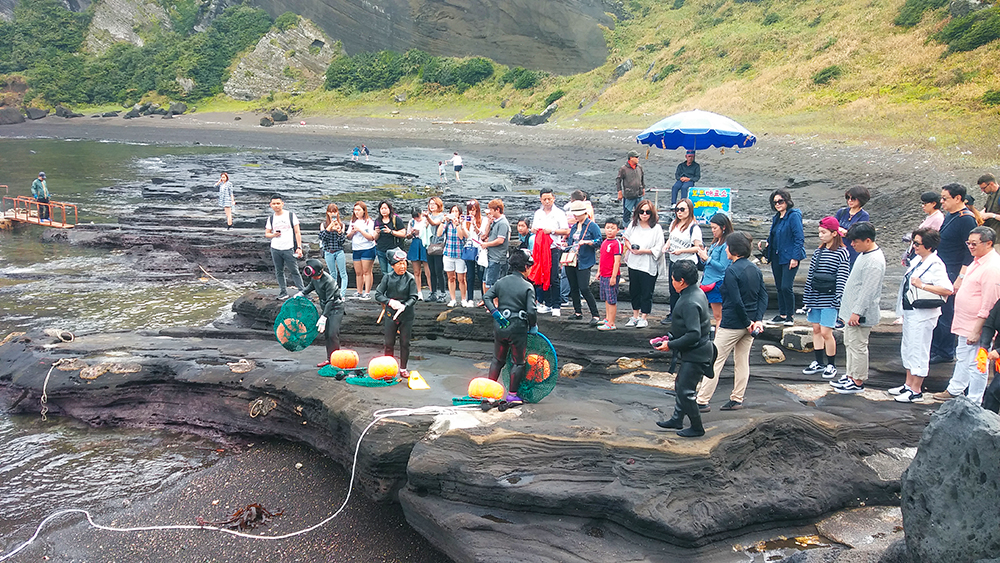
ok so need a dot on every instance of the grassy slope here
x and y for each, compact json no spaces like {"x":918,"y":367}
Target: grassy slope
{"x":896,"y":88}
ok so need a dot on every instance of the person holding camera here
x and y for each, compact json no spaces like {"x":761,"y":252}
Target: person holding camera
{"x":644,"y":255}
{"x":282,"y":228}
{"x":683,"y":244}
{"x":828,"y":271}
{"x":744,"y":301}
{"x":389,"y":233}
{"x":332,"y":236}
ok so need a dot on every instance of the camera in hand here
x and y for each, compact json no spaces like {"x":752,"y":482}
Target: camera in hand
{"x":757,"y":331}
{"x":635,"y":247}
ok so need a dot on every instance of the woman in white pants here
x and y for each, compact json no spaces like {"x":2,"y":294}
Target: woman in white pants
{"x":925,"y":285}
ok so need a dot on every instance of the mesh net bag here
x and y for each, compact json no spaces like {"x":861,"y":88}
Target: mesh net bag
{"x":543,"y":370}
{"x":295,"y":326}
{"x":365,"y":381}
{"x":333,"y":371}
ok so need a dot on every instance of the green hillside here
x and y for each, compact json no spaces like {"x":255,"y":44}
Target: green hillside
{"x":906,"y":71}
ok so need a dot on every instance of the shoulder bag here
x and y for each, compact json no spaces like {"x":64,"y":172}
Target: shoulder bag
{"x":920,"y":298}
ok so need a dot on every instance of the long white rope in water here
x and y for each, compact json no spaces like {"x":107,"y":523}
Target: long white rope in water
{"x":378,"y":416}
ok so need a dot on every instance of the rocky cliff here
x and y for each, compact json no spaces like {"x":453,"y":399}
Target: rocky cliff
{"x":117,"y":21}
{"x":283,"y":61}
{"x":560,"y":36}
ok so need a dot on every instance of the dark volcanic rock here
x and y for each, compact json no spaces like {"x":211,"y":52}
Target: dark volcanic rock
{"x":35,"y":113}
{"x":621,"y":69}
{"x":951,"y":491}
{"x":10,"y":116}
{"x":535,"y":119}
{"x":177,"y":108}
{"x":132,"y":114}
{"x":278,"y":115}
{"x":266,"y":121}
{"x":110,"y":114}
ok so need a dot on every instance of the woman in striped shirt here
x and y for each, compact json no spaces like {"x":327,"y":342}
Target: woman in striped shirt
{"x":828,"y":271}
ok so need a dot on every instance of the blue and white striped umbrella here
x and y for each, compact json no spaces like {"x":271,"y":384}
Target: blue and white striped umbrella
{"x":695,"y":130}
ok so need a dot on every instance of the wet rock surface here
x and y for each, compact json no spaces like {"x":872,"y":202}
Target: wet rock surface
{"x":587,"y":461}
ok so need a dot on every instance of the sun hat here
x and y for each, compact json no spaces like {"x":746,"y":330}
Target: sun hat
{"x":578,"y":208}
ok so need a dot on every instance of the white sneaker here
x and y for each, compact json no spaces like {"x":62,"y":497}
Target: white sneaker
{"x":898,"y":390}
{"x":556,"y":312}
{"x":631,"y":322}
{"x":451,"y":303}
{"x":641,"y":323}
{"x":420,"y":296}
{"x":542,"y":308}
{"x":829,"y":372}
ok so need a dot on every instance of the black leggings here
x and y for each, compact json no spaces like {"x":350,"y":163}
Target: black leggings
{"x":436,"y":264}
{"x":579,"y":284}
{"x":403,"y":326}
{"x":471,"y":269}
{"x":513,"y":339}
{"x":991,"y":400}
{"x":332,"y":331}
{"x":640,"y":288}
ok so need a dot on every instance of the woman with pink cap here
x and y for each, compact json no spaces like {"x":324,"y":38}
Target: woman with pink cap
{"x":828,"y":271}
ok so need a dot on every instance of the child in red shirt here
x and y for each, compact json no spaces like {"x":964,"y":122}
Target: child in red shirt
{"x":610,"y":273}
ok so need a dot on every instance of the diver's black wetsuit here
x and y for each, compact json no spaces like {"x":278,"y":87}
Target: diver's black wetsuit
{"x":333,"y":308}
{"x":402,"y":288}
{"x":516,"y":302}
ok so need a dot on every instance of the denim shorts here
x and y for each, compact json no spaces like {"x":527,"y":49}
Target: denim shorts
{"x":366,"y":254}
{"x":493,"y":273}
{"x":824,"y":317}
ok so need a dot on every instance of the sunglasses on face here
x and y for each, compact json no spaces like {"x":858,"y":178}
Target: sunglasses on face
{"x":779,"y":201}
{"x":971,"y":244}
{"x":645,"y":212}
{"x":850,"y":198}
{"x":918,"y":243}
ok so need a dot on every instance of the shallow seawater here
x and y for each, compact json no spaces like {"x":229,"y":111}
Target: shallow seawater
{"x":61,"y":463}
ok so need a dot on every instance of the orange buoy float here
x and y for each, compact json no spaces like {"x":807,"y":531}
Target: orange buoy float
{"x":538,"y":368}
{"x":383,"y":367}
{"x":485,"y":388}
{"x":344,"y":359}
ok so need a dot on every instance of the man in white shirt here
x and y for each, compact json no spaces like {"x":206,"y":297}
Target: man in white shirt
{"x":551,"y":220}
{"x":286,"y":244}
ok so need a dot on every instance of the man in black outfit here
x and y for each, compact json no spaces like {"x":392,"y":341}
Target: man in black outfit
{"x":515,"y":316}
{"x":328,"y":292}
{"x":691,"y":340}
{"x":958,"y":223}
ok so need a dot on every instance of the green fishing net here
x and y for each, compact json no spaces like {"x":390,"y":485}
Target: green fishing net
{"x":543,"y":370}
{"x":330,"y":370}
{"x":295,"y":326}
{"x":365,"y":381}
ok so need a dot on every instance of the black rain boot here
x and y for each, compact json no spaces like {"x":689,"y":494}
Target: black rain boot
{"x":674,"y":422}
{"x":692,"y":432}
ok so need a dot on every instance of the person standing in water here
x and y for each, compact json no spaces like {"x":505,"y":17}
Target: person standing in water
{"x":226,"y":199}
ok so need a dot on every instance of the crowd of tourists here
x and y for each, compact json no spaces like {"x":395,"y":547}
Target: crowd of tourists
{"x":946,"y":302}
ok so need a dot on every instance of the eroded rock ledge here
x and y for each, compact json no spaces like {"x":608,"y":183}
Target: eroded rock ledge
{"x":584,"y":475}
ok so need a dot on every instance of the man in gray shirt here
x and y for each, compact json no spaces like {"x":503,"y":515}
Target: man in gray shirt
{"x":631,"y":186}
{"x":859,"y":306}
{"x":496,"y":243}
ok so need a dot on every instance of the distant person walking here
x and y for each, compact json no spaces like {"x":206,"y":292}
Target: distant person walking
{"x":365,"y":151}
{"x":688,"y":173}
{"x":286,"y":244}
{"x":456,"y":161}
{"x":226,"y":199}
{"x":631,"y":186}
{"x":40,"y":191}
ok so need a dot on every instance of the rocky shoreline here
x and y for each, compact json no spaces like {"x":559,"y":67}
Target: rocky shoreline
{"x":588,"y":461}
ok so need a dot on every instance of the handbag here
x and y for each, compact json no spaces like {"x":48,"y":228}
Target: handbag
{"x":469,"y":252}
{"x":435,"y":249}
{"x":920,"y":298}
{"x":569,"y":258}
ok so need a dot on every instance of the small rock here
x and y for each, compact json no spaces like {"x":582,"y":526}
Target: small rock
{"x":570,"y":370}
{"x":630,"y":363}
{"x":237,"y":118}
{"x":298,"y":466}
{"x":278,"y":115}
{"x":266,"y":121}
{"x":798,"y":338}
{"x":772,"y":354}
{"x":35,"y":113}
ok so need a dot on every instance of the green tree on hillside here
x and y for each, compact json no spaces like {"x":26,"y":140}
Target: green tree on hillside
{"x":42,"y":31}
